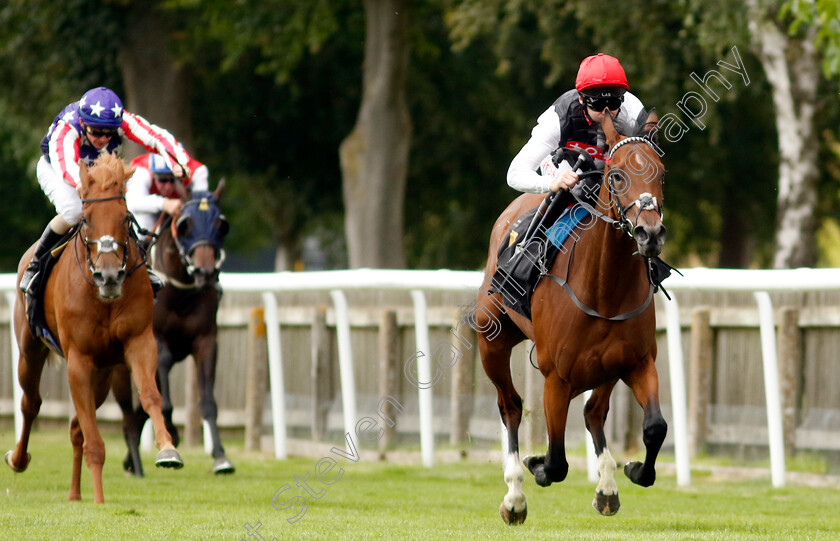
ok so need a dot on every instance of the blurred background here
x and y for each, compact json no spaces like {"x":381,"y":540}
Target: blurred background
{"x":350,"y":137}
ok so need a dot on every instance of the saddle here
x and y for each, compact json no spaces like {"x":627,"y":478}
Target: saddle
{"x":35,"y":314}
{"x":521,"y":265}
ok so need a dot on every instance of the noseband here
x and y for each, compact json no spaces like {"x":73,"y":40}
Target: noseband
{"x":106,"y":244}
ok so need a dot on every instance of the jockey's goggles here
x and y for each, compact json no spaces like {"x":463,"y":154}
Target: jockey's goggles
{"x":613,"y":103}
{"x":165,"y":178}
{"x":98,"y":132}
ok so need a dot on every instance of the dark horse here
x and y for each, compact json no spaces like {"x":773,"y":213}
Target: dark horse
{"x":98,"y":304}
{"x":188,"y":254}
{"x":577,"y":351}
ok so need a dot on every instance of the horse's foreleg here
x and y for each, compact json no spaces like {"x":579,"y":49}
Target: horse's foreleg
{"x":78,"y":440}
{"x":84,"y":384}
{"x":141,"y":355}
{"x":165,"y":362}
{"x":204,"y":354}
{"x":132,"y":426}
{"x":595,"y":414}
{"x":553,"y":468}
{"x":645,"y":385}
{"x":495,"y":356}
{"x":30,"y":367}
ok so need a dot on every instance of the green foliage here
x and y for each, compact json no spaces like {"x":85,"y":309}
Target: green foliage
{"x":825,"y":15}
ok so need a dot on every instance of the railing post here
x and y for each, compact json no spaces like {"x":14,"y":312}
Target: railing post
{"x":345,"y":363}
{"x":389,"y":340}
{"x":678,"y":402}
{"x":275,"y":375}
{"x":790,"y":366}
{"x":699,"y":379}
{"x":323,"y":389}
{"x":424,"y":379}
{"x":17,"y":391}
{"x":771,"y":388}
{"x":463,"y":382}
{"x":255,"y":385}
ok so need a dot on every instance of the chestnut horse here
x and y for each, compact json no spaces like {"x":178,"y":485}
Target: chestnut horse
{"x":596,"y":332}
{"x":188,"y":254}
{"x":98,"y":304}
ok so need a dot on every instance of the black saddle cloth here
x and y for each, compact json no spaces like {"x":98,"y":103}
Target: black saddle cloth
{"x":35,"y":314}
{"x":522,"y":262}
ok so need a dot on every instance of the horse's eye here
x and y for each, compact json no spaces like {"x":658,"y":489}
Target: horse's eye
{"x":222,"y":226}
{"x":619,"y":182}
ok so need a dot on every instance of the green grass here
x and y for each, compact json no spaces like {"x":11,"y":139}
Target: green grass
{"x":378,"y":501}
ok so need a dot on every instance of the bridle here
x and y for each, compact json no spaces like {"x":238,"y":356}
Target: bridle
{"x":106,"y":244}
{"x":645,"y":201}
{"x":186,"y":255}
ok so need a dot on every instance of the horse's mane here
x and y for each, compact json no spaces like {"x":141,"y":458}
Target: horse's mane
{"x":107,"y":172}
{"x":634,"y":127}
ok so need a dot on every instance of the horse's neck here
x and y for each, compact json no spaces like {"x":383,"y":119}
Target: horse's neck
{"x":606,"y":260}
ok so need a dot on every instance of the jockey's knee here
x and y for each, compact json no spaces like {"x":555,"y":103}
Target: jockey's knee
{"x":61,"y":225}
{"x":70,"y":212}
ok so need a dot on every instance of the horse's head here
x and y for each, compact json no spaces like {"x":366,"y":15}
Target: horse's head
{"x":200,"y":234}
{"x":634,"y":179}
{"x":105,"y":223}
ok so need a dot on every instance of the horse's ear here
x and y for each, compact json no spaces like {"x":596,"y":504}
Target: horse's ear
{"x":84,"y":175}
{"x":650,"y":129}
{"x":181,"y":190}
{"x":609,"y":130}
{"x":128,"y":171}
{"x":220,"y":188}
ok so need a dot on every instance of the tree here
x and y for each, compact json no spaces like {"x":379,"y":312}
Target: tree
{"x":792,"y":69}
{"x":374,"y":157}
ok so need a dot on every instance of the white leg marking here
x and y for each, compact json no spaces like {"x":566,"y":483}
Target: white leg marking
{"x":515,"y":498}
{"x":606,"y":470}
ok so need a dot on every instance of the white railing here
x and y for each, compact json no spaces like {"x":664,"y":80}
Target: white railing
{"x":760,"y":282}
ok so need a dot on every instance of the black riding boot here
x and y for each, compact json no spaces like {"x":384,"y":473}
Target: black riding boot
{"x":47,"y":242}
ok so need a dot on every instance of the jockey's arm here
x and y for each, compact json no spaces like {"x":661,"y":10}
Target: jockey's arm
{"x":522,"y":174}
{"x":64,"y":152}
{"x":137,"y":196}
{"x":156,"y":139}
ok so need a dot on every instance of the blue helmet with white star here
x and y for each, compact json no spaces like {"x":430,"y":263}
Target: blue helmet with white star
{"x":158,"y":165}
{"x":101,"y":107}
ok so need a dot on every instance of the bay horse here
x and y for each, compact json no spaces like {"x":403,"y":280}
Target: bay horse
{"x":98,"y":305}
{"x":596,"y":330}
{"x":188,"y":255}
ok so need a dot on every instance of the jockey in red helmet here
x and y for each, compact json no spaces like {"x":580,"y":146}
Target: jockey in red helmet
{"x":81,"y":132}
{"x":574,"y":122}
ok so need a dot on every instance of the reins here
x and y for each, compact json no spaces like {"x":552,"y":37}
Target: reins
{"x":106,"y":244}
{"x":644,"y":202}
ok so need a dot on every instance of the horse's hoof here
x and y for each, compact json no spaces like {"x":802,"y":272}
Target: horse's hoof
{"x":169,"y":458}
{"x":531,"y":462}
{"x":8,"y":458}
{"x":223,"y":466}
{"x":605,"y":504}
{"x":513,"y":517}
{"x":635,"y":470}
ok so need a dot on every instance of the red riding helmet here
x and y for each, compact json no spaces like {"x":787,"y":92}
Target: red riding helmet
{"x":600,"y":70}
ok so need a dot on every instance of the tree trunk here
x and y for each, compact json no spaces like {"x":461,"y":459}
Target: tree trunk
{"x":793,"y":72}
{"x":374,"y":157}
{"x":156,"y":87}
